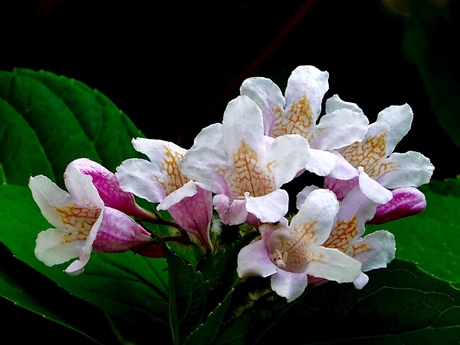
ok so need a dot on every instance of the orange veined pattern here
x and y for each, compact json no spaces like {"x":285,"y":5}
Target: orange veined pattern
{"x":342,"y":235}
{"x":248,"y":175}
{"x":294,"y":250}
{"x":171,"y":168}
{"x":367,"y":154}
{"x":298,"y":121}
{"x":79,"y":218}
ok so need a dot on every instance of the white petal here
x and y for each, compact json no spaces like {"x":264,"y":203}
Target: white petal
{"x":318,"y":210}
{"x":243,"y":122}
{"x":267,"y":96}
{"x":373,"y":190}
{"x":48,"y":196}
{"x":321,"y":162}
{"x":410,"y":169}
{"x":288,"y":155}
{"x":52,"y":248}
{"x":335,"y":103}
{"x":338,"y":129}
{"x":142,"y":178}
{"x":381,"y":250}
{"x":332,"y":264}
{"x":310,"y":82}
{"x":289,"y":285}
{"x":361,"y":281}
{"x":269,"y":208}
{"x":156,"y":150}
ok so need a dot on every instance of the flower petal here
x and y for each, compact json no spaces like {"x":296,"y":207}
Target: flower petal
{"x":269,"y":208}
{"x":288,"y":284}
{"x":253,"y":260}
{"x":332,"y":264}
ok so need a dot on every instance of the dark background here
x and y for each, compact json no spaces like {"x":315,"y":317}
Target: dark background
{"x":172,"y":67}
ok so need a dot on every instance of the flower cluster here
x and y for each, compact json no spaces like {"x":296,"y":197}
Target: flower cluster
{"x":234,"y":175}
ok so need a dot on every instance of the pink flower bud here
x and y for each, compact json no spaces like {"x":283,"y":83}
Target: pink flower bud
{"x":406,"y":201}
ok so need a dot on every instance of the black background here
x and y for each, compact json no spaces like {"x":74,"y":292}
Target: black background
{"x":172,"y":67}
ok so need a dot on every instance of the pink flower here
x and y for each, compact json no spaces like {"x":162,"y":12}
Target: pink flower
{"x":82,"y":222}
{"x":109,"y":189}
{"x":291,"y":253}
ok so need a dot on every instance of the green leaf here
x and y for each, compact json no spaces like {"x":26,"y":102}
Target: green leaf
{"x":32,"y":291}
{"x":48,"y":121}
{"x":430,"y":238}
{"x":187,"y":296}
{"x":141,"y":283}
{"x":399,"y":305}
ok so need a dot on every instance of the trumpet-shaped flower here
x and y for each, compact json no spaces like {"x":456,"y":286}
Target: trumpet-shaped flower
{"x":291,"y":253}
{"x":298,"y":111}
{"x":244,"y":168}
{"x":380,"y":169}
{"x":82,"y":222}
{"x":160,"y":180}
{"x":109,"y":189}
{"x":375,"y":250}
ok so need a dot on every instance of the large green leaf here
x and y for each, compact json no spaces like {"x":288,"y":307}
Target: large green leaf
{"x":399,"y":305}
{"x":431,"y":239}
{"x":47,"y":121}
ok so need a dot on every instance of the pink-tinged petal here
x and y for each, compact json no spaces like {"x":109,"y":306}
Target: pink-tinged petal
{"x":302,"y":195}
{"x":142,"y":178}
{"x":361,"y":281}
{"x":357,"y":205}
{"x":253,"y":260}
{"x":317,"y":214}
{"x":375,"y":250}
{"x":109,"y":189}
{"x":410,"y":169}
{"x":342,"y":170}
{"x":340,"y":187}
{"x":119,"y":233}
{"x":194,"y":214}
{"x":288,"y":284}
{"x":78,"y":266}
{"x":321,"y":162}
{"x":231,"y":212}
{"x":269,"y":208}
{"x":338,"y":129}
{"x":372,"y":189}
{"x":186,"y":191}
{"x":332,"y":264}
{"x":81,"y":187}
{"x":287,"y":155}
{"x":406,"y":202}
{"x":267,"y":96}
